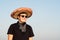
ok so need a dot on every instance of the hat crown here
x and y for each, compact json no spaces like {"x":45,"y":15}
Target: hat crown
{"x":19,"y":10}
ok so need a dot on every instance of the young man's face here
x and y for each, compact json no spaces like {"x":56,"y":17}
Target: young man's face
{"x":22,"y":18}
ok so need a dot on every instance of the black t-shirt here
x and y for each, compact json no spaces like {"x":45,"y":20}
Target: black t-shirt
{"x":18,"y":34}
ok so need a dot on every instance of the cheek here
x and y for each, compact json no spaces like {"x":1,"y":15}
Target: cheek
{"x":20,"y":18}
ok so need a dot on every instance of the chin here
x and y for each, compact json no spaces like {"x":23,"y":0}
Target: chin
{"x":23,"y":21}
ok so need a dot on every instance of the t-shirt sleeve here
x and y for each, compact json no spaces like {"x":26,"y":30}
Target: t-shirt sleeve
{"x":31,"y":34}
{"x":10,"y":30}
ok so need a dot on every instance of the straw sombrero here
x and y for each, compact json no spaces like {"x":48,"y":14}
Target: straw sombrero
{"x":15,"y":13}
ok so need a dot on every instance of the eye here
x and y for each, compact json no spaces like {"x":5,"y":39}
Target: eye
{"x":25,"y":16}
{"x":22,"y":15}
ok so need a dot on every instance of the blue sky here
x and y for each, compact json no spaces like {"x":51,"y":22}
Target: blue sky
{"x":45,"y":20}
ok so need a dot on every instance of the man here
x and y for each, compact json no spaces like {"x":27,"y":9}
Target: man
{"x":21,"y":30}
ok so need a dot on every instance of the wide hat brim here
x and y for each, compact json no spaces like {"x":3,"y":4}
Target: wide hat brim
{"x":17,"y":11}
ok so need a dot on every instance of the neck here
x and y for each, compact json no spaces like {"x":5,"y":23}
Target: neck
{"x":21,"y":22}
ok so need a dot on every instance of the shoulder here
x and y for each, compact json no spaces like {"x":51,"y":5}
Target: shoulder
{"x":13,"y":25}
{"x":29,"y":26}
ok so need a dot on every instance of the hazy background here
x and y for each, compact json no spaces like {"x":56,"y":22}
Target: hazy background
{"x":45,"y":20}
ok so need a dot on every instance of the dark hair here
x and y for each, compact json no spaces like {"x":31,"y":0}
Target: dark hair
{"x":22,"y":13}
